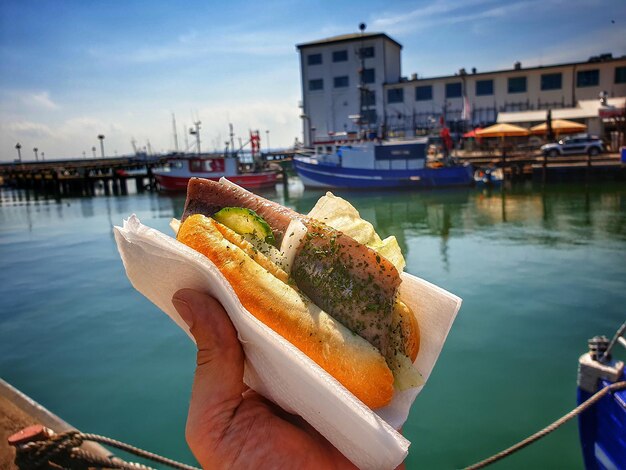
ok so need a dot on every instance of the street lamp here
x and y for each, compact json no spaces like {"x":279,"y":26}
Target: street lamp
{"x":18,"y":147}
{"x":93,"y":150}
{"x":36,"y":156}
{"x":267,"y":133}
{"x":43,"y":155}
{"x":101,"y":137}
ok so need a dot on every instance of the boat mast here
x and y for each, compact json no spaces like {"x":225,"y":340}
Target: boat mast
{"x":232,"y":139}
{"x":196,"y":131}
{"x":175,"y":132}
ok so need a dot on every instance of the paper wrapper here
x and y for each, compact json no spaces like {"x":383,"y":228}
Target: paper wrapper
{"x":158,"y":266}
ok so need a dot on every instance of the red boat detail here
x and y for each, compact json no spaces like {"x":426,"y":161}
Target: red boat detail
{"x":180,"y":169}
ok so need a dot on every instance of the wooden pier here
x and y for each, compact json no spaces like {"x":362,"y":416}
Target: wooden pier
{"x":64,"y":178}
{"x":535,"y":166}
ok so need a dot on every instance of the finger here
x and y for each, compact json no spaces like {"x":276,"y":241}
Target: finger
{"x":218,"y":382}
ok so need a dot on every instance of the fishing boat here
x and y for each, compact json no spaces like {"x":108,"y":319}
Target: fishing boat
{"x":179,"y":169}
{"x":380,"y":164}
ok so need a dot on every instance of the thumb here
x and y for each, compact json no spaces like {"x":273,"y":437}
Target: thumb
{"x":218,"y":382}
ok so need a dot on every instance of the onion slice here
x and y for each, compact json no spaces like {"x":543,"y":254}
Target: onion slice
{"x":294,"y":234}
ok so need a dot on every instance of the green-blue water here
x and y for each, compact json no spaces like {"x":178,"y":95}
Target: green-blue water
{"x":539,"y":272}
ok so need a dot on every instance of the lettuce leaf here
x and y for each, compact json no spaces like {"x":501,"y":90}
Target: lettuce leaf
{"x":341,"y":215}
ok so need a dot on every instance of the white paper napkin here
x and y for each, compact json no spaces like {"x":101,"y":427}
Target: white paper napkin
{"x":158,"y":266}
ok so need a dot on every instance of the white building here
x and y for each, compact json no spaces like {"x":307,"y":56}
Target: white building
{"x":331,"y":80}
{"x":331,"y":92}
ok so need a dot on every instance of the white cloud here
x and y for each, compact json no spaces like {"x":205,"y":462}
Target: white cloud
{"x":41,"y":100}
{"x":434,"y":14}
{"x":27,"y":129}
{"x":192,"y":45}
{"x":34,"y":100}
{"x":582,"y":47}
{"x":72,"y":136}
{"x":450,"y":12}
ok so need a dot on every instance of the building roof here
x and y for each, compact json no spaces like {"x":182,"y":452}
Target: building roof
{"x":584,"y":109}
{"x":591,"y":62}
{"x":347,"y":38}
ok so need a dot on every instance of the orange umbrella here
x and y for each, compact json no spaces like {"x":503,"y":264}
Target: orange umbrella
{"x":471,"y":133}
{"x":559,"y":126}
{"x":502,"y":130}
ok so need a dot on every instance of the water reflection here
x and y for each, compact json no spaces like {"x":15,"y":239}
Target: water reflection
{"x":554,"y":216}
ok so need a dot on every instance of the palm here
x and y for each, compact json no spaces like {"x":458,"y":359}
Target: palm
{"x":262,"y":433}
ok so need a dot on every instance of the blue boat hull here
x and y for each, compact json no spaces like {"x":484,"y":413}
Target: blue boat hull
{"x":602,"y":430}
{"x":321,"y":175}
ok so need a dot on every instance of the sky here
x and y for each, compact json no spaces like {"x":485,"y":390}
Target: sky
{"x":71,"y":70}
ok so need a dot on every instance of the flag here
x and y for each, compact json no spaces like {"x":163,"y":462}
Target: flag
{"x":466,"y":114}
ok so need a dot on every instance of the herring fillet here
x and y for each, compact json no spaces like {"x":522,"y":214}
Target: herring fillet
{"x":345,"y":278}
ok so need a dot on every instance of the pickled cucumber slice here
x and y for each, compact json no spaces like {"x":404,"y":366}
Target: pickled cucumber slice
{"x":245,"y":222}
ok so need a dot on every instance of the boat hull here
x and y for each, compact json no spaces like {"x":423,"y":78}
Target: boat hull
{"x":247,"y":180}
{"x":320,"y":175}
{"x":602,"y":429}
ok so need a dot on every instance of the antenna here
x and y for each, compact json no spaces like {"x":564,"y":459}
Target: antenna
{"x":186,"y":138}
{"x":363,"y":90}
{"x":196,"y":131}
{"x":232,"y":135}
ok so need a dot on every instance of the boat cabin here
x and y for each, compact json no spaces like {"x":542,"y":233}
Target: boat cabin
{"x":203,"y":166}
{"x":385,"y":156}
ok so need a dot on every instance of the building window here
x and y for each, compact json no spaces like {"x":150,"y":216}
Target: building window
{"x":620,"y":74}
{"x":454,"y":90}
{"x":314,"y":59}
{"x":340,"y":56}
{"x":341,"y":82}
{"x":424,"y":93}
{"x":369,"y":116}
{"x":517,"y":85}
{"x":369,"y":75}
{"x":587,"y":78}
{"x":551,"y":81}
{"x":369,"y":98}
{"x":367,"y":52}
{"x":316,"y":84}
{"x":484,"y":87}
{"x":395,"y":95}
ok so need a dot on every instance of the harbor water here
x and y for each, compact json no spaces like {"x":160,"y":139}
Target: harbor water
{"x":540,"y":272}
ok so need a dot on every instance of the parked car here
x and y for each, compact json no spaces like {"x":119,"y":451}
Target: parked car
{"x":576,"y":144}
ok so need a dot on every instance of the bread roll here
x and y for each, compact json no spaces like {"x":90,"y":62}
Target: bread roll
{"x":350,"y":359}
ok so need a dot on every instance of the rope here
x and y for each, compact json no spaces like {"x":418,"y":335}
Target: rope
{"x":548,"y":429}
{"x":64,"y":448}
{"x":136,"y":451}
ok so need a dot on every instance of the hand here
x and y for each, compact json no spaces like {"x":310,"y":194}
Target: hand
{"x":230,"y":425}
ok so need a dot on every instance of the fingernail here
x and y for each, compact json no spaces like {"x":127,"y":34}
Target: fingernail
{"x":183,"y":309}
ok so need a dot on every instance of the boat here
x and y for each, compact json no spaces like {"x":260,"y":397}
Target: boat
{"x":179,"y":169}
{"x":602,"y":428}
{"x":380,"y":164}
{"x":490,"y":176}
